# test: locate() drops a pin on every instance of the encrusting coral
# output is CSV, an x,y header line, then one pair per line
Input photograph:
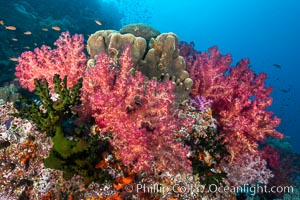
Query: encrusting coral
x,y
207,148
22,150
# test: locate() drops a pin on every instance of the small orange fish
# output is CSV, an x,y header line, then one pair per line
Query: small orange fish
x,y
44,29
14,39
27,33
11,28
1,22
98,22
13,59
56,28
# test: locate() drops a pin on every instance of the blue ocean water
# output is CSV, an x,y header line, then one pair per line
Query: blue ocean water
x,y
266,31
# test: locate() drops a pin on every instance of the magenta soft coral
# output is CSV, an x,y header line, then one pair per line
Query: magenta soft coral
x,y
139,113
67,59
239,99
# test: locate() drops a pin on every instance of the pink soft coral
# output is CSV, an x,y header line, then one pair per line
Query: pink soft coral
x,y
138,112
240,99
67,59
251,169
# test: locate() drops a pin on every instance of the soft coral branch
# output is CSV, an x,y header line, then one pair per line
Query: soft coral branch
x,y
138,112
68,59
240,99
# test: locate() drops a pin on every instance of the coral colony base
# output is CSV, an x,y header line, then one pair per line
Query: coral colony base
x,y
146,117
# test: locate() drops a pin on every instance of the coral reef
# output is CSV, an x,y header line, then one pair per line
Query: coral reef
x,y
23,175
240,99
200,103
207,148
135,112
157,58
284,163
22,150
9,93
51,113
113,43
163,61
67,59
140,30
72,152
39,20
116,126
252,169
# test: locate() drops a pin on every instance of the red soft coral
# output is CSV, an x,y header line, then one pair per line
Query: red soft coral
x,y
239,99
139,113
67,59
271,155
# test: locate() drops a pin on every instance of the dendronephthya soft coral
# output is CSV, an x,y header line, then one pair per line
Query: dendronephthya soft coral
x,y
68,59
139,114
240,99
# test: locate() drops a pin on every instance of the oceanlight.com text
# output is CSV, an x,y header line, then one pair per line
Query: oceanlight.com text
x,y
212,188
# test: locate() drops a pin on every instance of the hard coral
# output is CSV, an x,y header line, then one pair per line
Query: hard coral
x,y
157,57
163,62
140,30
138,113
112,43
67,59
